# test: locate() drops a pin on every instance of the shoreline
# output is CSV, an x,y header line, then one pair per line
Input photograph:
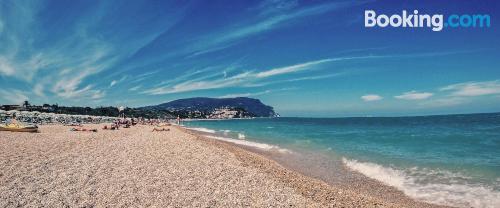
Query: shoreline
x,y
313,181
137,167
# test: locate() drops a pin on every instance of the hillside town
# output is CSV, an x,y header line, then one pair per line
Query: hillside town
x,y
48,113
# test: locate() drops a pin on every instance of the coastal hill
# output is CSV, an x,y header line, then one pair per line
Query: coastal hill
x,y
203,107
198,108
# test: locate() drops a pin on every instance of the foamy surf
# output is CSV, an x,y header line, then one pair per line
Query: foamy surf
x,y
241,136
445,193
257,145
241,140
211,131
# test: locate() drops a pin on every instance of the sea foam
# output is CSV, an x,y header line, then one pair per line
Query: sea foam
x,y
241,140
409,181
241,136
211,131
257,145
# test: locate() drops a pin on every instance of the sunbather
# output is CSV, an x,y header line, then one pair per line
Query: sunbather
x,y
83,129
161,129
112,127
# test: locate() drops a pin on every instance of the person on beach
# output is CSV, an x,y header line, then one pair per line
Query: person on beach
x,y
160,129
13,120
112,127
83,129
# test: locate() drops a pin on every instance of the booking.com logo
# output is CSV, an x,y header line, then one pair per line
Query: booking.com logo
x,y
435,21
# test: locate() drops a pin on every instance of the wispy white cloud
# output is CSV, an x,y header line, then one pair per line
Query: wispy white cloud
x,y
231,35
144,76
18,58
469,89
114,82
202,51
459,94
304,78
63,61
290,69
13,96
444,102
244,79
38,90
309,65
98,94
221,39
249,94
197,75
371,97
198,85
71,86
65,64
248,78
326,76
414,95
252,94
273,7
1,26
135,88
5,67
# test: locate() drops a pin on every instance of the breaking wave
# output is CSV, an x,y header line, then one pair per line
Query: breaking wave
x,y
433,186
241,136
261,146
211,131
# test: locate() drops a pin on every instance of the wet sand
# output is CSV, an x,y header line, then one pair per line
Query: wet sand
x,y
139,168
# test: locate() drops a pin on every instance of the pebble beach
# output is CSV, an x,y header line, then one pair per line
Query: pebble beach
x,y
135,167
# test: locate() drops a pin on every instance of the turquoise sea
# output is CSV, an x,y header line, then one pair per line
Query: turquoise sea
x,y
449,159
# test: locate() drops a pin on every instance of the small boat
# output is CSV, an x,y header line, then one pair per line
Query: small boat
x,y
17,127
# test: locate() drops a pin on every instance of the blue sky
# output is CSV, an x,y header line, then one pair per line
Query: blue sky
x,y
305,58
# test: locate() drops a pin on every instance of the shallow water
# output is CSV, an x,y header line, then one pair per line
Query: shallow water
x,y
452,160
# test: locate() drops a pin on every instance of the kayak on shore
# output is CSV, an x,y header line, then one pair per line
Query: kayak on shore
x,y
18,127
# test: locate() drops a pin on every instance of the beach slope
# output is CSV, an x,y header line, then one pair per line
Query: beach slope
x,y
137,167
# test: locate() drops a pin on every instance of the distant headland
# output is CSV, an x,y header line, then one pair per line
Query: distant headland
x,y
192,108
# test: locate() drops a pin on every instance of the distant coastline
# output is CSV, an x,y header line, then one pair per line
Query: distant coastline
x,y
112,111
190,108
